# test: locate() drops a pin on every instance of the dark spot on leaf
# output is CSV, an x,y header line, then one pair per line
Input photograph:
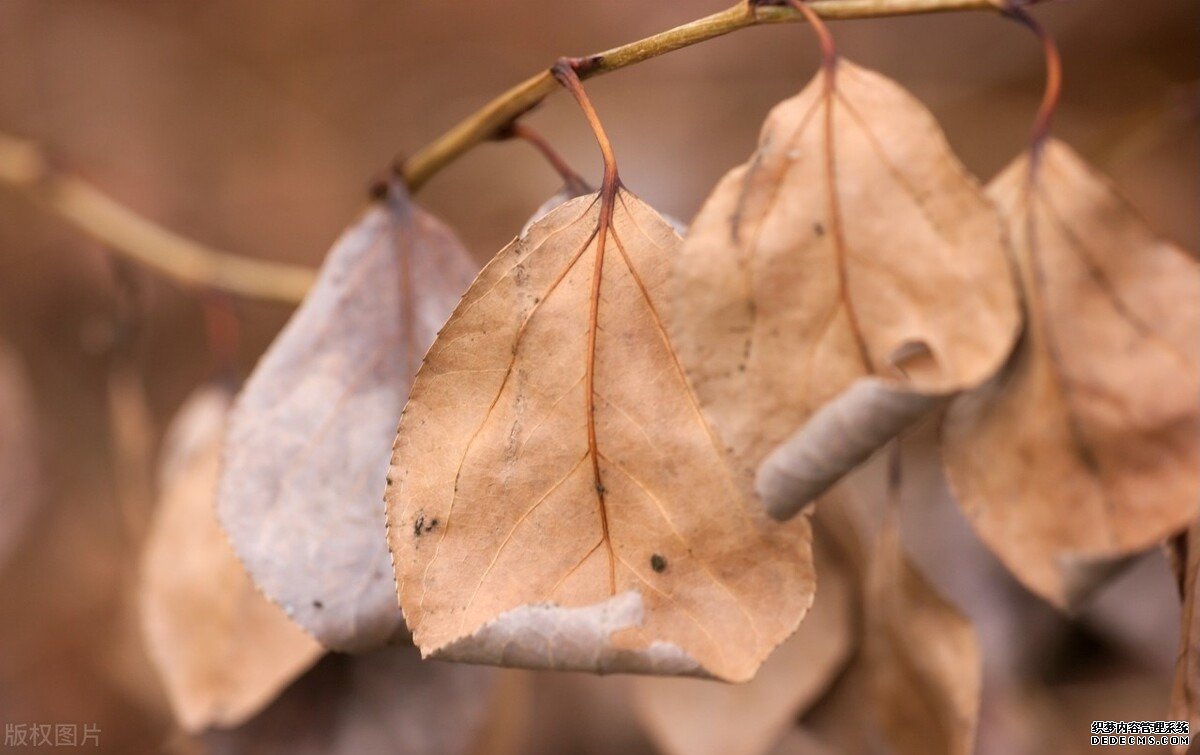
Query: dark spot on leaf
x,y
420,526
658,563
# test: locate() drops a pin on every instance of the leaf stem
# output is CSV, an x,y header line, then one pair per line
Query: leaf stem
x,y
564,71
222,333
828,48
1053,92
837,227
573,182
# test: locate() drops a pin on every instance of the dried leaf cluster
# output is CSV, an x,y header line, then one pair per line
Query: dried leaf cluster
x,y
624,446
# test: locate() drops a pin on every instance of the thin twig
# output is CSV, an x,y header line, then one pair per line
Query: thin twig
x,y
24,167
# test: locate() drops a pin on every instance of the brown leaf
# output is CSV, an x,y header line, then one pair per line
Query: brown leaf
x,y
923,655
384,701
852,244
566,194
1084,449
560,197
19,477
558,501
695,717
310,433
223,650
1185,692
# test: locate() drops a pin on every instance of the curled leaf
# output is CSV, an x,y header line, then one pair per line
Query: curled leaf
x,y
924,658
19,484
309,436
852,244
697,717
222,649
838,436
1084,449
557,499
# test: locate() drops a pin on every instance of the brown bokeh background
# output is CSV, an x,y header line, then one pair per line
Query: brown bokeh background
x,y
256,128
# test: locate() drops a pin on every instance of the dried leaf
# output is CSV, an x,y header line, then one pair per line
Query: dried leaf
x,y
1084,449
558,501
853,244
560,197
310,434
566,194
1185,693
379,702
19,478
223,650
693,717
924,658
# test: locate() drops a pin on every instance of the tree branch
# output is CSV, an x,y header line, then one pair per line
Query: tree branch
x,y
497,115
24,167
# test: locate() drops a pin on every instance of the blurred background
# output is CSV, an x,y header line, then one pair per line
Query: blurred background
x,y
257,127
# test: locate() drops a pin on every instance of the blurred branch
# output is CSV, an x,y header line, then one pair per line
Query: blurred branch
x,y
24,167
499,114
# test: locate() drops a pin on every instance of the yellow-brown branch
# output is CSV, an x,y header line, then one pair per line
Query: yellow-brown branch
x,y
24,167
